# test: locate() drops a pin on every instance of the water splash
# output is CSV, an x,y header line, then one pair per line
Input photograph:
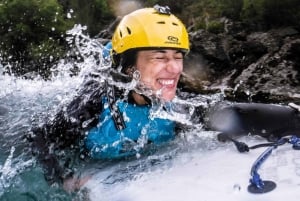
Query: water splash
x,y
6,172
183,110
11,168
31,100
90,50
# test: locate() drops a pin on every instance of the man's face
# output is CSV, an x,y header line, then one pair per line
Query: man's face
x,y
160,70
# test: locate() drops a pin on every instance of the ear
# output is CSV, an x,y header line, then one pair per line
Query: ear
x,y
130,70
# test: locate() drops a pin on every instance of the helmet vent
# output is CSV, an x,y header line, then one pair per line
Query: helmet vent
x,y
174,23
128,30
121,34
161,22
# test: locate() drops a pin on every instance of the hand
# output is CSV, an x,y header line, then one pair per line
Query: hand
x,y
74,183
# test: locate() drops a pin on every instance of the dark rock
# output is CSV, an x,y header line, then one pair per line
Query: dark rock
x,y
258,66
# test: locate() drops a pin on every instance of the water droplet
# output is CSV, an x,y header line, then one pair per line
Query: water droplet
x,y
236,188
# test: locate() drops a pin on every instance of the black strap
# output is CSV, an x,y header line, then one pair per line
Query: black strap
x,y
115,112
243,147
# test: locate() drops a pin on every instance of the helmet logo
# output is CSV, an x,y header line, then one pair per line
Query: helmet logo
x,y
172,40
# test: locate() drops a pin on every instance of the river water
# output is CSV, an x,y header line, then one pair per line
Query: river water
x,y
24,101
20,101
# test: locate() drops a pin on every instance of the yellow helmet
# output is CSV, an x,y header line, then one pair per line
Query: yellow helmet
x,y
150,28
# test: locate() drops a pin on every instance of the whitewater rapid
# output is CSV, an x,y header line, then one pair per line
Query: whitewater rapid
x,y
194,167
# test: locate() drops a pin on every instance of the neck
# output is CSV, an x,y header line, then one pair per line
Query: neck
x,y
139,99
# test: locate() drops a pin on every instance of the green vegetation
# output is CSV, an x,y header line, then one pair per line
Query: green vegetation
x,y
31,30
95,14
282,13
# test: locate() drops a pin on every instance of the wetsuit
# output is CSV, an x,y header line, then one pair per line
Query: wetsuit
x,y
87,126
105,141
57,141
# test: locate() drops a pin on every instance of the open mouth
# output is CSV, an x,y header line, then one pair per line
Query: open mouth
x,y
168,83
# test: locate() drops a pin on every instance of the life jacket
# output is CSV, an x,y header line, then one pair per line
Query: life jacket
x,y
106,141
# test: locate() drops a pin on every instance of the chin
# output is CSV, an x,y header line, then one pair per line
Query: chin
x,y
168,97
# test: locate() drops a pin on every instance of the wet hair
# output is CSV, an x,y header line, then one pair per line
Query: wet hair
x,y
126,60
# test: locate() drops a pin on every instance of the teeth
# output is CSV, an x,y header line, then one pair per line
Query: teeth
x,y
166,82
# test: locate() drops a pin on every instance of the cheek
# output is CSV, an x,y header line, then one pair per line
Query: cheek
x,y
148,75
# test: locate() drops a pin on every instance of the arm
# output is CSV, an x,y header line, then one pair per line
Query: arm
x,y
65,131
267,120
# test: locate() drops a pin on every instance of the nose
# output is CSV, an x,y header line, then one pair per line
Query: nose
x,y
174,65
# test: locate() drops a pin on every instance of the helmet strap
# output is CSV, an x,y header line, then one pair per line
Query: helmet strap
x,y
125,60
